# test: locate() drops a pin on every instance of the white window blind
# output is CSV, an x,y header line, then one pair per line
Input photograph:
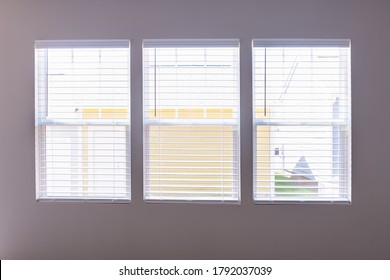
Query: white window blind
x,y
302,115
191,120
82,120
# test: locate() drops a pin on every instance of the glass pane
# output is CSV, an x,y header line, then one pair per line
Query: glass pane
x,y
301,162
85,162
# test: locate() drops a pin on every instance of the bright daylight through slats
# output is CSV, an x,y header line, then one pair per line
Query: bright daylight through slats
x,y
191,120
302,117
82,120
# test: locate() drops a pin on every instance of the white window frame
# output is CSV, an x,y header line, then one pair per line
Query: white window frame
x,y
345,188
192,43
112,118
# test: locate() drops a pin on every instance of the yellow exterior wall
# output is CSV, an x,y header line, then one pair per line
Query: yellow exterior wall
x,y
105,113
185,159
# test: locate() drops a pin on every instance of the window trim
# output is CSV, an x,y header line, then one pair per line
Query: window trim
x,y
42,121
256,122
193,43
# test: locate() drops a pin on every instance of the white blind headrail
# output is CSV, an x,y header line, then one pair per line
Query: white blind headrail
x,y
297,43
191,43
82,120
66,44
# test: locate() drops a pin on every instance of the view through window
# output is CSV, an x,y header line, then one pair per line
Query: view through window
x,y
191,120
83,120
301,120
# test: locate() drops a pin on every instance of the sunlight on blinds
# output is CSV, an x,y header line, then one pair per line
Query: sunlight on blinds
x,y
302,117
83,120
191,120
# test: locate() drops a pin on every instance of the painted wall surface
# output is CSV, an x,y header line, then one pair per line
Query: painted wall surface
x,y
37,230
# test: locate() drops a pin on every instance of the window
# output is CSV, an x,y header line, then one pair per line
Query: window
x,y
82,120
191,120
301,119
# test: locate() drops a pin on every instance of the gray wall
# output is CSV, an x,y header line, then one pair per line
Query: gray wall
x,y
33,230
